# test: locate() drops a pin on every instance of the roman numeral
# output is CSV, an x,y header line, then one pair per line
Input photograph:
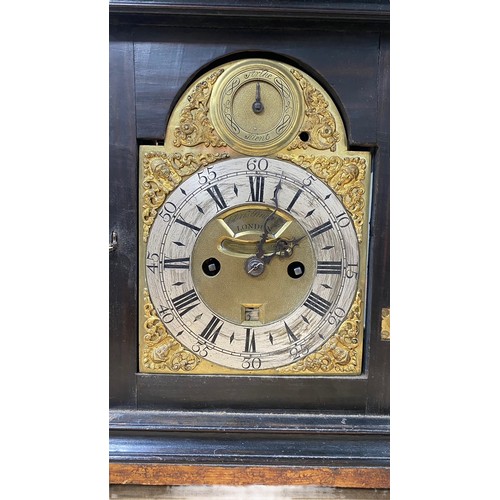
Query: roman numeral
x,y
210,332
187,224
329,267
182,263
317,304
215,193
320,229
185,302
294,199
291,336
256,188
250,340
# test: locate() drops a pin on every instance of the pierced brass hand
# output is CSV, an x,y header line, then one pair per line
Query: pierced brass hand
x,y
283,248
265,234
263,238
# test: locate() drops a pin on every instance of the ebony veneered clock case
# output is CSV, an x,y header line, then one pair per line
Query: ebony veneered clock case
x,y
253,230
249,251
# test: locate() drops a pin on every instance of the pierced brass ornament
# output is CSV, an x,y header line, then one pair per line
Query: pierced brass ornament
x,y
318,120
161,173
338,355
161,351
346,176
195,126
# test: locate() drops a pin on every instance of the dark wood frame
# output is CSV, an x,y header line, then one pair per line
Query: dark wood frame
x,y
253,428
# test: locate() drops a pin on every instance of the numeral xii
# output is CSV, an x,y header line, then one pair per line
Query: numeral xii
x,y
256,188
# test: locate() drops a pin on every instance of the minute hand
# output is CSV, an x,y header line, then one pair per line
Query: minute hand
x,y
265,234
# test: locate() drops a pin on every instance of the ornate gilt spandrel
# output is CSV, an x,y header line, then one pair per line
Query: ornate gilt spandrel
x,y
194,125
162,172
340,354
161,352
346,176
319,122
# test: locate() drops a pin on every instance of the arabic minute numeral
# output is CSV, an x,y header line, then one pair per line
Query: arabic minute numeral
x,y
298,352
251,363
200,348
166,314
343,219
257,163
350,273
206,176
308,181
336,316
167,211
154,259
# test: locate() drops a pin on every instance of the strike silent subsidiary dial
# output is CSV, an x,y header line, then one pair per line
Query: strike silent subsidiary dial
x,y
256,106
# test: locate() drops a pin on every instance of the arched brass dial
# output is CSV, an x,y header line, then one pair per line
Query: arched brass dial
x,y
256,106
252,263
253,252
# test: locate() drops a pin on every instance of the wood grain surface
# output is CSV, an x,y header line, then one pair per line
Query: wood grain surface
x,y
166,474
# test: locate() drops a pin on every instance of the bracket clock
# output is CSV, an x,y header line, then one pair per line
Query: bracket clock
x,y
249,341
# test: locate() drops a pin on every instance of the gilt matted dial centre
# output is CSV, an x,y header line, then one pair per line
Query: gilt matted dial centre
x,y
252,263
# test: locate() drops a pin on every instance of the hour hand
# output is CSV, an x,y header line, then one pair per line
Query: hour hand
x,y
284,247
267,231
263,239
275,195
